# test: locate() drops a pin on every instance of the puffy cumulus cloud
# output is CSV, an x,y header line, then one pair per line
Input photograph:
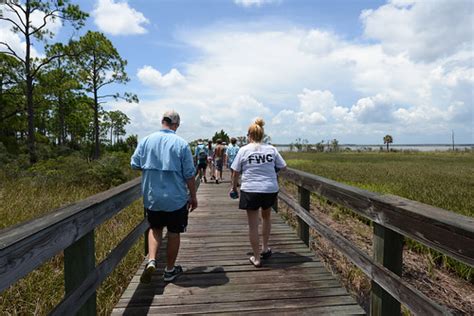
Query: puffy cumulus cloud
x,y
151,77
17,43
320,42
314,106
424,30
253,3
376,109
355,92
118,18
310,118
316,101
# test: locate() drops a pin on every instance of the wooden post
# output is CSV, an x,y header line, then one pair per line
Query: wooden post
x,y
79,261
275,205
388,251
304,201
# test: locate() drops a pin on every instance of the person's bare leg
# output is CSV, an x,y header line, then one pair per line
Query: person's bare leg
x,y
154,242
266,227
252,216
172,250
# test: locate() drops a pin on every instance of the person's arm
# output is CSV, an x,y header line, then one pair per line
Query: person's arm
x,y
280,163
193,203
189,173
135,162
235,180
237,168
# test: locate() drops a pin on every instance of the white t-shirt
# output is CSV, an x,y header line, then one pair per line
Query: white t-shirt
x,y
257,164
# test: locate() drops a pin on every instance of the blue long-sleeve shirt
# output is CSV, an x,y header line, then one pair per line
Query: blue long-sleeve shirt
x,y
166,163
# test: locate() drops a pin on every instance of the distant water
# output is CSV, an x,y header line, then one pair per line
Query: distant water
x,y
413,147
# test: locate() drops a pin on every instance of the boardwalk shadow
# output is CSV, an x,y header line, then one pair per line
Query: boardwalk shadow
x,y
202,277
142,297
283,259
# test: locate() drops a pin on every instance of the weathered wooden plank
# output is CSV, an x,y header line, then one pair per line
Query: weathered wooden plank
x,y
209,298
150,290
310,311
26,246
416,301
245,276
238,306
448,232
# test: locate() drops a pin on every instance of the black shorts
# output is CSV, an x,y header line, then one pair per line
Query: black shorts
x,y
254,200
175,222
202,165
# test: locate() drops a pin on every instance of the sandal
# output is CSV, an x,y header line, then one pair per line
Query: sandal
x,y
266,254
253,262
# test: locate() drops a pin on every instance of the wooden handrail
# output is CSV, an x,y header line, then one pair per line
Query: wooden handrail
x,y
25,246
392,283
393,217
449,233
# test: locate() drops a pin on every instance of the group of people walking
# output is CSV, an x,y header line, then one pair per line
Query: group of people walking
x,y
169,192
214,156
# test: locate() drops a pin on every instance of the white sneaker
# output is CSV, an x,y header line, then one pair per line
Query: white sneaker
x,y
147,273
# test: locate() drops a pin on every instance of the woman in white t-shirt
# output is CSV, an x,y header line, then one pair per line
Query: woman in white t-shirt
x,y
258,163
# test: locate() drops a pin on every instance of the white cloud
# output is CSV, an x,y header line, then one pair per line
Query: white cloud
x,y
316,101
118,18
424,30
373,109
256,3
14,40
314,84
151,77
319,42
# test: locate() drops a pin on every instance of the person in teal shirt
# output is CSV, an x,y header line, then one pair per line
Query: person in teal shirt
x,y
231,151
168,189
201,154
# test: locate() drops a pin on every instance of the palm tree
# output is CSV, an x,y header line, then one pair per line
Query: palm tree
x,y
388,139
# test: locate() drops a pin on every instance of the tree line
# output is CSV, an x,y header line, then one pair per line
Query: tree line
x,y
56,99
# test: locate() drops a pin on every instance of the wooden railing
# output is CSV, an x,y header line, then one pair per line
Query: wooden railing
x,y
26,246
393,218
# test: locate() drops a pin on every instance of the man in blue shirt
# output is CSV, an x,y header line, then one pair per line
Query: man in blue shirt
x,y
167,175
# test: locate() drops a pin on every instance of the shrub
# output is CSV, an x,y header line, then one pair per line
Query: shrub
x,y
111,170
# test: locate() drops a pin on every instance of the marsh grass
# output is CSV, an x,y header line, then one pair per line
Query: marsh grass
x,y
27,194
441,179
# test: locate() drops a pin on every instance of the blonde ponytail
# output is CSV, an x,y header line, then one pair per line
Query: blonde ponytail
x,y
256,131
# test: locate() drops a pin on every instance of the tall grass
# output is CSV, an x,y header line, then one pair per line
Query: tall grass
x,y
27,194
442,179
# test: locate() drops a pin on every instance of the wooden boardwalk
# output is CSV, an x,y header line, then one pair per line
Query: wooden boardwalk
x,y
219,279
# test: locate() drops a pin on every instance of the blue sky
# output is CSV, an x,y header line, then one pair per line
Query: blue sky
x,y
318,70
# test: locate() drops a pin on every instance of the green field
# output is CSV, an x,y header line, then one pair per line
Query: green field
x,y
442,179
